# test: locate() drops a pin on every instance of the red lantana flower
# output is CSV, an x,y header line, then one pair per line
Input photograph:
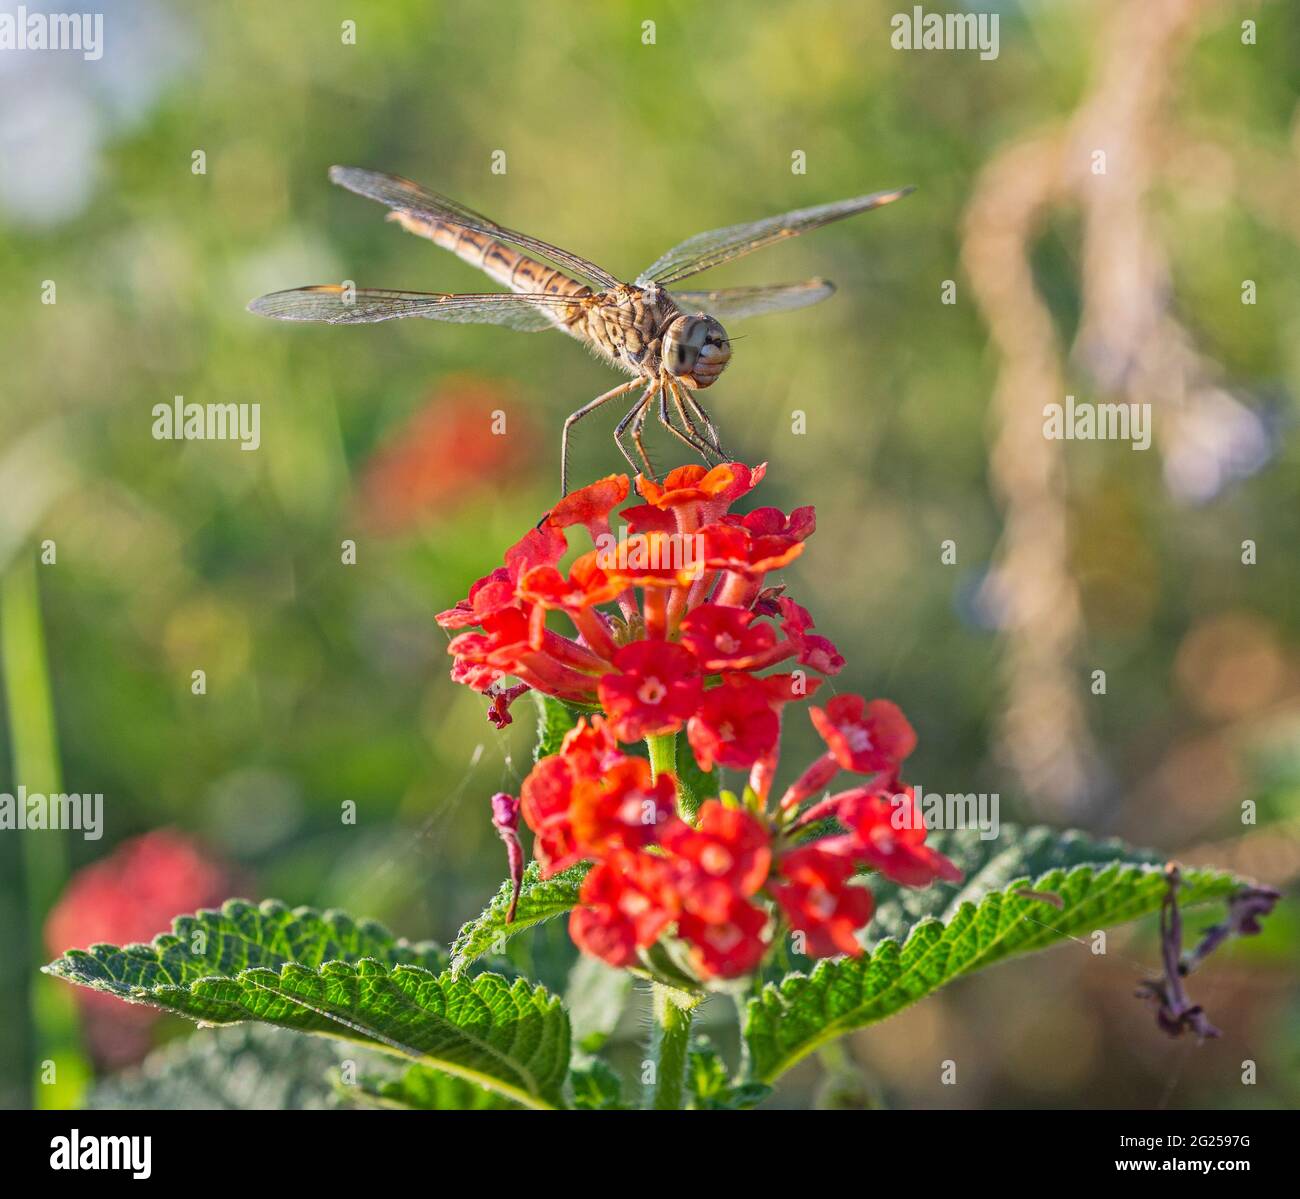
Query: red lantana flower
x,y
865,737
586,585
656,690
814,650
738,722
819,901
888,833
591,743
590,505
544,803
699,572
488,595
772,522
871,738
735,725
733,547
728,853
590,800
697,496
728,639
620,807
626,902
708,880
728,947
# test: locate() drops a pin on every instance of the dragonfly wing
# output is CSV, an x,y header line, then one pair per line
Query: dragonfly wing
x,y
402,195
733,303
332,304
706,250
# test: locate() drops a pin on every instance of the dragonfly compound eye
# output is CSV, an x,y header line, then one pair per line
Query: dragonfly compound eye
x,y
696,350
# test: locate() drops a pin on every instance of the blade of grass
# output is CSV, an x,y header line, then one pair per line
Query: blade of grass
x,y
34,753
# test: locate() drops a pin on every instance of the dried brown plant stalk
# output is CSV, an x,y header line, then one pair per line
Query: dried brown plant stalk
x,y
1129,341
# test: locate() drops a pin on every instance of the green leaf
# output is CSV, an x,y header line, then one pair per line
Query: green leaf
x,y
595,997
539,900
694,785
990,865
709,1082
330,975
596,1087
922,940
554,719
239,936
249,1067
422,1089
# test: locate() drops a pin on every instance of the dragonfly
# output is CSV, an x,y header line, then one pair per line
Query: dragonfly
x,y
671,341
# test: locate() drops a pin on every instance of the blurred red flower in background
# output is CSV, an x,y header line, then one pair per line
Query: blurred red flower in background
x,y
445,452
131,895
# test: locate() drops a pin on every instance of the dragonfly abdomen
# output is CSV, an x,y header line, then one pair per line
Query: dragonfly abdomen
x,y
498,261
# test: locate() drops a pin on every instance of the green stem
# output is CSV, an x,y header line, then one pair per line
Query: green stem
x,y
673,1011
673,1008
663,756
663,753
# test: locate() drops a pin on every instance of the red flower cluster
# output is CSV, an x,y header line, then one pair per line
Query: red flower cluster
x,y
672,623
720,882
683,655
125,897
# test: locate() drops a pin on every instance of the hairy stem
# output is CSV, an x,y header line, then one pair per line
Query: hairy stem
x,y
673,1011
663,756
663,753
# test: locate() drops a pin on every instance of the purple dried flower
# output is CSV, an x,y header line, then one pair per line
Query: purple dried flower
x,y
505,819
1177,1012
1245,910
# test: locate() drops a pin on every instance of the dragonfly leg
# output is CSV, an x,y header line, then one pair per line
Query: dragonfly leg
x,y
700,412
574,417
637,426
690,436
680,398
692,408
636,417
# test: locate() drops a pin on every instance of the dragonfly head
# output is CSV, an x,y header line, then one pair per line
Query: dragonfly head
x,y
696,350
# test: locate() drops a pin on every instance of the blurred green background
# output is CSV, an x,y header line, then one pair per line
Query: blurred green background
x,y
327,684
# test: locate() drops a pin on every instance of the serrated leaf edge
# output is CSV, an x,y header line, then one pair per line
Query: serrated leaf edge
x,y
533,1097
967,910
64,967
490,918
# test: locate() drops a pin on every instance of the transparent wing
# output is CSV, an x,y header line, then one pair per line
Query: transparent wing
x,y
404,196
732,303
332,304
711,249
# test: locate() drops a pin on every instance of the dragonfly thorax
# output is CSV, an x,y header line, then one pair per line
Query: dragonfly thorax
x,y
696,350
625,324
